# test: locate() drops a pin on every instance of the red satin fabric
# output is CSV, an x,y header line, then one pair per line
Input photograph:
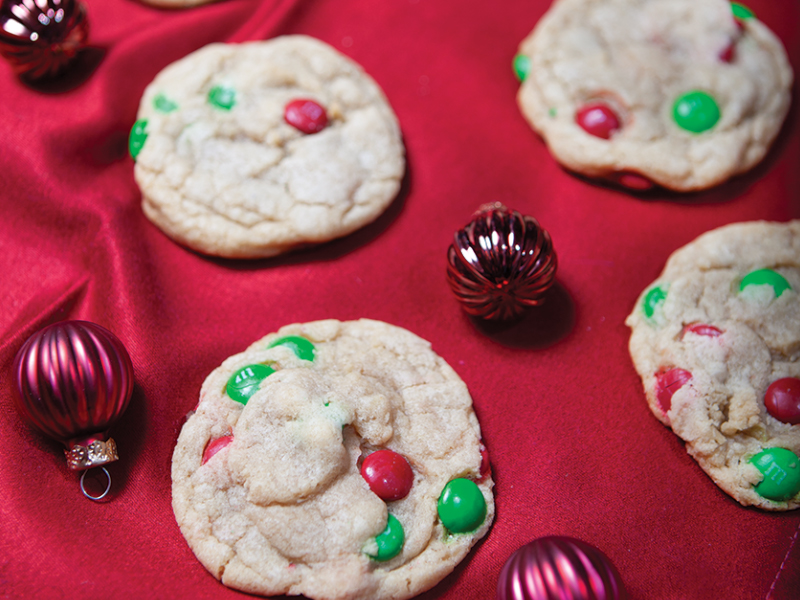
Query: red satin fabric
x,y
574,449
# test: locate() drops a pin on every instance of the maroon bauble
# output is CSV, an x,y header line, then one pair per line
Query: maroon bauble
x,y
41,37
74,380
501,263
559,568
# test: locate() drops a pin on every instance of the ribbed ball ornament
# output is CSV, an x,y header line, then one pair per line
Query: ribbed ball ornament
x,y
501,263
559,568
74,379
39,38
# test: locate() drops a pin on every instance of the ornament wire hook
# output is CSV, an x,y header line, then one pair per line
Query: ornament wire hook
x,y
105,492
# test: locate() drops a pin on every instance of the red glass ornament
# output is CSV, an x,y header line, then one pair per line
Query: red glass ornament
x,y
74,380
669,382
39,38
597,119
783,400
388,474
306,115
501,263
559,568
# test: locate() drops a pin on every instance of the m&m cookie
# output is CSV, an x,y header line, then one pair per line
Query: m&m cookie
x,y
682,94
250,150
716,341
333,460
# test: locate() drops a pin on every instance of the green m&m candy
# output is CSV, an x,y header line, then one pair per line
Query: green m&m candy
x,y
653,300
245,381
462,507
781,470
522,66
740,11
137,138
163,104
695,111
222,97
302,348
766,277
390,541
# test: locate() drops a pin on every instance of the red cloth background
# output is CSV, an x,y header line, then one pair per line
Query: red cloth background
x,y
574,448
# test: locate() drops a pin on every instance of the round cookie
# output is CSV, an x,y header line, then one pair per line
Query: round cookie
x,y
267,483
222,171
710,338
680,93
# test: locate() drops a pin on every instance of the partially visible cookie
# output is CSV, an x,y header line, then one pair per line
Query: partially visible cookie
x,y
337,460
716,341
681,93
249,150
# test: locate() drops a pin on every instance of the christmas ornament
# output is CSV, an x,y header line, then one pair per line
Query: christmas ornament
x,y
559,568
74,380
39,38
501,263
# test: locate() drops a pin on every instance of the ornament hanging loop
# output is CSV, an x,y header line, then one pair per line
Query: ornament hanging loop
x,y
105,491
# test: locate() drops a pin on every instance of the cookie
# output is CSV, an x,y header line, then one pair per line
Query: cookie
x,y
249,150
333,460
680,93
716,341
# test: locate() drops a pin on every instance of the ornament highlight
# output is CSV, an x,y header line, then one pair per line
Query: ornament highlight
x,y
39,38
501,263
74,380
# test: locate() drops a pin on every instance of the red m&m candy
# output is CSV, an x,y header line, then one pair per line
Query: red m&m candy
x,y
783,400
388,474
305,115
669,382
633,181
597,119
702,329
215,446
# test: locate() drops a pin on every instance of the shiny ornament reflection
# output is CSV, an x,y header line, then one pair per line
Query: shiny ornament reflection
x,y
39,38
501,263
559,568
74,380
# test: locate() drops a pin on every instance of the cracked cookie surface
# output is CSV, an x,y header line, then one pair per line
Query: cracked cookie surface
x,y
709,339
223,172
267,471
637,60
